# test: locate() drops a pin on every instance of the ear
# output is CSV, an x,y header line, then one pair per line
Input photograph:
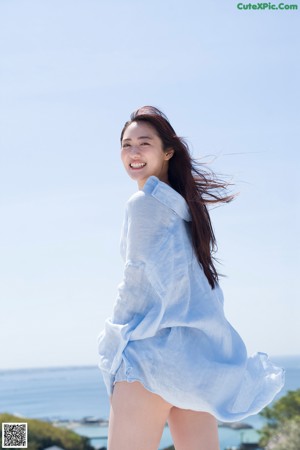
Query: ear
x,y
169,153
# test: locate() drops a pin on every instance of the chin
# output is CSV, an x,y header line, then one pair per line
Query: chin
x,y
134,176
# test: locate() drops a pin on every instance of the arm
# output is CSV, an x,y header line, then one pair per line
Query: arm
x,y
139,306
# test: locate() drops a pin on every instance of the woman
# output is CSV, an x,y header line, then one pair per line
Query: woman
x,y
168,353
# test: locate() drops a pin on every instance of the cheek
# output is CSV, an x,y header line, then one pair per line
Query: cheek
x,y
123,156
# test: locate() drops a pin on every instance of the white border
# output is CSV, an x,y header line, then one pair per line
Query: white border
x,y
26,435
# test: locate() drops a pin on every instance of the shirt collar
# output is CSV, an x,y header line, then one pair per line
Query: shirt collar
x,y
168,196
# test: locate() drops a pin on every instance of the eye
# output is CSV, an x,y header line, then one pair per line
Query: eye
x,y
145,143
125,145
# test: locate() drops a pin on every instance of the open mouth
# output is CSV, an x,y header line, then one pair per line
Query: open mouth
x,y
137,165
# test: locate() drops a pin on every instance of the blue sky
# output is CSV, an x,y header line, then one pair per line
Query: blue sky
x,y
71,72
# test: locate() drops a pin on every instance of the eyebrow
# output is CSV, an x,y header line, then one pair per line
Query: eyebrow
x,y
140,137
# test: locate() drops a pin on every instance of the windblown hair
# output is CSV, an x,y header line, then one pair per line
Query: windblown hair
x,y
198,185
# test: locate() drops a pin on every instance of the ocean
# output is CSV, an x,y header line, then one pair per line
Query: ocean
x,y
74,393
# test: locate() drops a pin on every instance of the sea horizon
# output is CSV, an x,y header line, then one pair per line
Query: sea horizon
x,y
277,359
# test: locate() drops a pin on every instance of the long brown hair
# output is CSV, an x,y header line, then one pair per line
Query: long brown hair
x,y
197,184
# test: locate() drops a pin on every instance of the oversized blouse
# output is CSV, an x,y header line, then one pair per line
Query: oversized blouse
x,y
168,329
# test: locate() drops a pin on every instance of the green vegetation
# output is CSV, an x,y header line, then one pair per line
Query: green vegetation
x,y
43,434
282,431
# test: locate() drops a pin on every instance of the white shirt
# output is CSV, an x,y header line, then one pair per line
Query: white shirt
x,y
168,328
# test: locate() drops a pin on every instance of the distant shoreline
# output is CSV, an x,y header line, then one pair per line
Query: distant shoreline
x,y
277,358
93,421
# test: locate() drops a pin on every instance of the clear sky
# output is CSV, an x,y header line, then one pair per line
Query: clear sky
x,y
71,72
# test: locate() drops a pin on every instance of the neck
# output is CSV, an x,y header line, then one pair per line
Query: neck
x,y
141,183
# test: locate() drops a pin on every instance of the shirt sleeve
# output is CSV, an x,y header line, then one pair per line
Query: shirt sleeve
x,y
139,306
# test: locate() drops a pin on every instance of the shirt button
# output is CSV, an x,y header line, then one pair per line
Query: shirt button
x,y
128,371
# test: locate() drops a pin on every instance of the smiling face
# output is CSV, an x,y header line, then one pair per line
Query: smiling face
x,y
142,153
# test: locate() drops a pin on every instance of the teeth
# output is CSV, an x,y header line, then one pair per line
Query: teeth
x,y
136,165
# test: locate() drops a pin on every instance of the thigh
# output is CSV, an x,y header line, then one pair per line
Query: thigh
x,y
193,430
137,417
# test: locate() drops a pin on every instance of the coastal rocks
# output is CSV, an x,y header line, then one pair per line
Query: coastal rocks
x,y
235,425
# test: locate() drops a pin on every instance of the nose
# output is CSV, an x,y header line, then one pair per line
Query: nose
x,y
134,150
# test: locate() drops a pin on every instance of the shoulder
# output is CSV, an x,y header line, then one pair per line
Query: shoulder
x,y
143,206
154,215
158,198
147,213
139,200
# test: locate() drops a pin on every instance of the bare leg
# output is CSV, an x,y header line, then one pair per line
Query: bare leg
x,y
137,417
193,430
